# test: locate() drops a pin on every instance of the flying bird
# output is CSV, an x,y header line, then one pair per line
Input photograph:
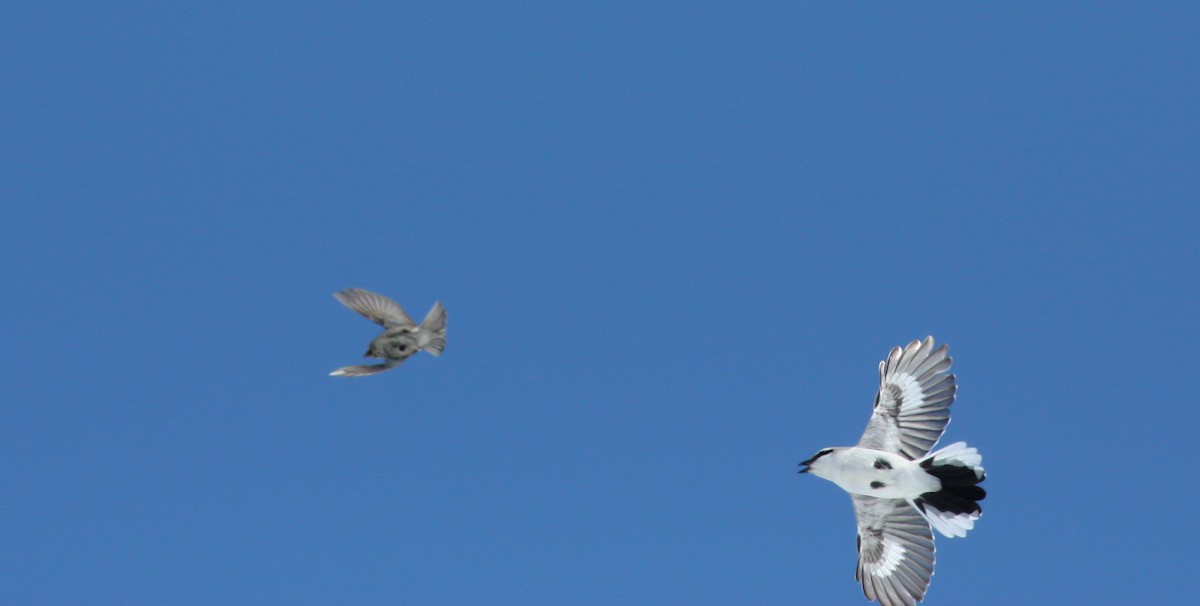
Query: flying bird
x,y
898,487
401,336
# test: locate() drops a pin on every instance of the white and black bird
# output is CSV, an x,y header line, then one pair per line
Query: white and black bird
x,y
899,488
401,336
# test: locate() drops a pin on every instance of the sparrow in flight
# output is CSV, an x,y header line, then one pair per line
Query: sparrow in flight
x,y
898,487
401,336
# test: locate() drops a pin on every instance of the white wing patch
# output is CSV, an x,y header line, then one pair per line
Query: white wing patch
x,y
908,387
912,407
892,556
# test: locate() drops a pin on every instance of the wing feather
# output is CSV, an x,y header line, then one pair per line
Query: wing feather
x,y
912,407
896,553
375,307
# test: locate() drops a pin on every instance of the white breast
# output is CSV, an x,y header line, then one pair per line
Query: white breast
x,y
878,474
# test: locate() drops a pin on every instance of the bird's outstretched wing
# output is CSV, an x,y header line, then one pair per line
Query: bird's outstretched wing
x,y
895,551
912,407
362,371
375,307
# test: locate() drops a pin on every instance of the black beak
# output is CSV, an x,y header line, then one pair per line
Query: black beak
x,y
807,465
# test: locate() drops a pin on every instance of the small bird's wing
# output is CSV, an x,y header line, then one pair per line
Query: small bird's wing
x,y
362,371
895,551
375,307
432,336
912,407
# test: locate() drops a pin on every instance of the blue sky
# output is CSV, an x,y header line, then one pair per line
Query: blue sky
x,y
674,241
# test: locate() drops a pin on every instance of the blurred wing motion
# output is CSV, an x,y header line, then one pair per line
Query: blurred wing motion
x,y
375,307
912,407
432,335
895,551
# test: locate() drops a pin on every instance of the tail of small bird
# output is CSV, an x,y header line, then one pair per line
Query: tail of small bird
x,y
953,509
433,330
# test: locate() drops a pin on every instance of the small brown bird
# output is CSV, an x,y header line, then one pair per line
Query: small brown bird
x,y
401,336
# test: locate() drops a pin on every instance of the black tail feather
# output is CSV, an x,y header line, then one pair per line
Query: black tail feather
x,y
960,492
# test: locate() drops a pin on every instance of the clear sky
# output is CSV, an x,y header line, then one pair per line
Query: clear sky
x,y
674,241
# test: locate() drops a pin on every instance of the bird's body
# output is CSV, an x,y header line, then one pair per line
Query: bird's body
x,y
394,343
875,473
900,490
401,338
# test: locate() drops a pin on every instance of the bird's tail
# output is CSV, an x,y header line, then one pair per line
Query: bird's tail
x,y
433,330
953,509
362,371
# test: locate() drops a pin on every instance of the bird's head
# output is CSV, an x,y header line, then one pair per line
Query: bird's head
x,y
818,463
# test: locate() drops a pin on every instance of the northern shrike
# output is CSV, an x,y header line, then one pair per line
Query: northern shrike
x,y
899,488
